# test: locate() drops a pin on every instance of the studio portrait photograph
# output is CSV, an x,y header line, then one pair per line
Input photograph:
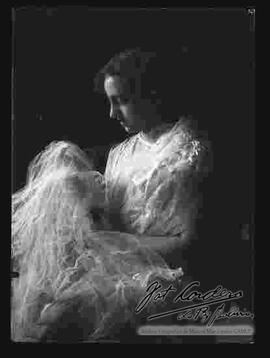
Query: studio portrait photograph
x,y
133,165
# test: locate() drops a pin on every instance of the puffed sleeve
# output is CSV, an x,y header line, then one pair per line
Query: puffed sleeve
x,y
184,185
172,194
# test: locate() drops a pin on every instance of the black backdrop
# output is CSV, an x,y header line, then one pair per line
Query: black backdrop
x,y
57,52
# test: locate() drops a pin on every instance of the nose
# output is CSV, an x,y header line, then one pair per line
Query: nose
x,y
113,112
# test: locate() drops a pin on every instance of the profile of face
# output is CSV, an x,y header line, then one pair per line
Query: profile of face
x,y
132,112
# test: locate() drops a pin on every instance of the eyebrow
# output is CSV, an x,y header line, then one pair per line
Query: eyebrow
x,y
111,98
119,96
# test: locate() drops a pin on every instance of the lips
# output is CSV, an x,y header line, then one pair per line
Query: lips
x,y
122,122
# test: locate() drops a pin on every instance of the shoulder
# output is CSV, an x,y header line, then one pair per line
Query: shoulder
x,y
119,148
183,132
190,147
118,151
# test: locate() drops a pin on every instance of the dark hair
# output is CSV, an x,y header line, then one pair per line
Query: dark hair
x,y
151,74
129,65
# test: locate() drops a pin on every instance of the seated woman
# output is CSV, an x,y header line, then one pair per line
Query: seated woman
x,y
152,177
78,275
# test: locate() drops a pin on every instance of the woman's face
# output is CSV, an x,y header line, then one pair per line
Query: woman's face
x,y
129,110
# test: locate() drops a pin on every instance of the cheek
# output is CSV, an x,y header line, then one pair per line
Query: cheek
x,y
132,111
125,111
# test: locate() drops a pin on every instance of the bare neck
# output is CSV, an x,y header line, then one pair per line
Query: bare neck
x,y
153,129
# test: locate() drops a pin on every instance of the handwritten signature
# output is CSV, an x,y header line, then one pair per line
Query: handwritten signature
x,y
195,311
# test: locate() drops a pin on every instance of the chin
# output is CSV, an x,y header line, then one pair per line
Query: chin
x,y
130,130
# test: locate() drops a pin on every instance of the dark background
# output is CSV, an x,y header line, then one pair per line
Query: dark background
x,y
57,52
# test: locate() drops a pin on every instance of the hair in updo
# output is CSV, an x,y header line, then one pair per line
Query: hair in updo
x,y
158,76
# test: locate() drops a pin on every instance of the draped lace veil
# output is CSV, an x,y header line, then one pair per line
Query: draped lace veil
x,y
64,258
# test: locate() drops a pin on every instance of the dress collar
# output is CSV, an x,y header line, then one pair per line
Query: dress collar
x,y
158,131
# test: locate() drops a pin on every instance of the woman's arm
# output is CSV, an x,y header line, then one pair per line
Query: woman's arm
x,y
161,244
126,241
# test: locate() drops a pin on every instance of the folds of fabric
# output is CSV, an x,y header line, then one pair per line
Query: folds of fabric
x,y
153,186
74,277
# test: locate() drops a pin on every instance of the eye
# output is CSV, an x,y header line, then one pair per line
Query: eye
x,y
123,100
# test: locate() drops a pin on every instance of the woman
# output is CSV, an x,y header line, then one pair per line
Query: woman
x,y
162,158
89,263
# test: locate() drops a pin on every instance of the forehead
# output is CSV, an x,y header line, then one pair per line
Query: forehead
x,y
115,86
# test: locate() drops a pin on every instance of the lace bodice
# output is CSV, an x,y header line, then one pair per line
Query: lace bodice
x,y
152,185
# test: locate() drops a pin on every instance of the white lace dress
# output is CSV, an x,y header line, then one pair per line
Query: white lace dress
x,y
153,186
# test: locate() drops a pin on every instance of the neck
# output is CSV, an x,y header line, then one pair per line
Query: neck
x,y
151,132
